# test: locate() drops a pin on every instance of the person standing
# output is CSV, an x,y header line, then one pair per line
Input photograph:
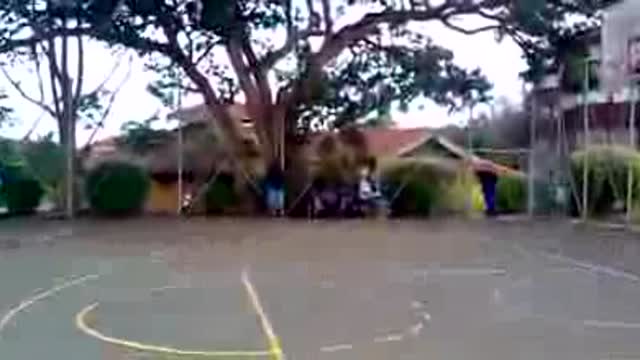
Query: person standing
x,y
488,181
274,189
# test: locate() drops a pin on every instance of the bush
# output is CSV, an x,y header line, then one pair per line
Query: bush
x,y
419,187
607,176
22,195
511,194
117,188
458,193
221,195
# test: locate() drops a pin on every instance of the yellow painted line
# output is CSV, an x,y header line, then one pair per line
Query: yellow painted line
x,y
81,324
12,313
275,349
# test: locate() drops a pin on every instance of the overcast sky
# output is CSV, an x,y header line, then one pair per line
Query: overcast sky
x,y
501,62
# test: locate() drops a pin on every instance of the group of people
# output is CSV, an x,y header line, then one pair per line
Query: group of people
x,y
345,200
328,199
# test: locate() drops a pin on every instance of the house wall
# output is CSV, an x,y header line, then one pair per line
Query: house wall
x,y
163,198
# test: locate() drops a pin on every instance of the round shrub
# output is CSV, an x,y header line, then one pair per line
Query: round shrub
x,y
22,195
418,186
221,195
511,194
607,175
117,188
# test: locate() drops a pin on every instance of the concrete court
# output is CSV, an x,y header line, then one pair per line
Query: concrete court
x,y
331,290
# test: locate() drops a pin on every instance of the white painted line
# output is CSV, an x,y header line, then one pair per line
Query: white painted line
x,y
416,329
164,288
6,319
467,271
611,325
426,317
334,348
597,269
388,338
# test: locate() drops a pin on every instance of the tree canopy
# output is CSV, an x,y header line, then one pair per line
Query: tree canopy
x,y
300,62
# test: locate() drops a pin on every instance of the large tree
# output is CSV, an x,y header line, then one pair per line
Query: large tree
x,y
302,61
48,38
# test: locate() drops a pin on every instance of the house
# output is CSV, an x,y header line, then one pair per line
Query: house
x,y
564,103
382,142
159,155
203,156
422,143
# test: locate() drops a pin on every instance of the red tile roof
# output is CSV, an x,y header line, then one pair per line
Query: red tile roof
x,y
393,141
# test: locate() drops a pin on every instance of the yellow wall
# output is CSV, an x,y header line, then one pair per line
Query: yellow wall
x,y
163,198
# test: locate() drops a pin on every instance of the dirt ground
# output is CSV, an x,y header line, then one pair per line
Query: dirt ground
x,y
447,289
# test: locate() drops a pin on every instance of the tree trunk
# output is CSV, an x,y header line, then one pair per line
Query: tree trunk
x,y
68,123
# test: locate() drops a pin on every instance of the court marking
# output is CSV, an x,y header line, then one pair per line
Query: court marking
x,y
275,349
81,324
335,348
611,325
26,303
593,268
388,338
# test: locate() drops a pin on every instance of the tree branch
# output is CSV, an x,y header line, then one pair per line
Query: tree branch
x,y
259,73
110,103
271,58
328,19
465,31
367,24
38,70
33,126
234,51
16,85
39,37
80,73
206,52
53,78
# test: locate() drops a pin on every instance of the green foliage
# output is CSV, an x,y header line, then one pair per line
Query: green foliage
x,y
511,194
607,176
368,74
340,156
378,76
117,188
419,187
45,160
6,113
22,195
140,137
41,159
221,195
463,195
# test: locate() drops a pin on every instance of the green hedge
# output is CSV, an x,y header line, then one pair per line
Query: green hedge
x,y
607,176
117,188
221,195
22,195
431,186
511,194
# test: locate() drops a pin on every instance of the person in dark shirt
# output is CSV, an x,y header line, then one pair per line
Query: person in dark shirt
x,y
274,189
488,180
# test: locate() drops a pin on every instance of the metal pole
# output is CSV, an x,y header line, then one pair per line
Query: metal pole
x,y
632,144
469,204
587,140
180,149
532,139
